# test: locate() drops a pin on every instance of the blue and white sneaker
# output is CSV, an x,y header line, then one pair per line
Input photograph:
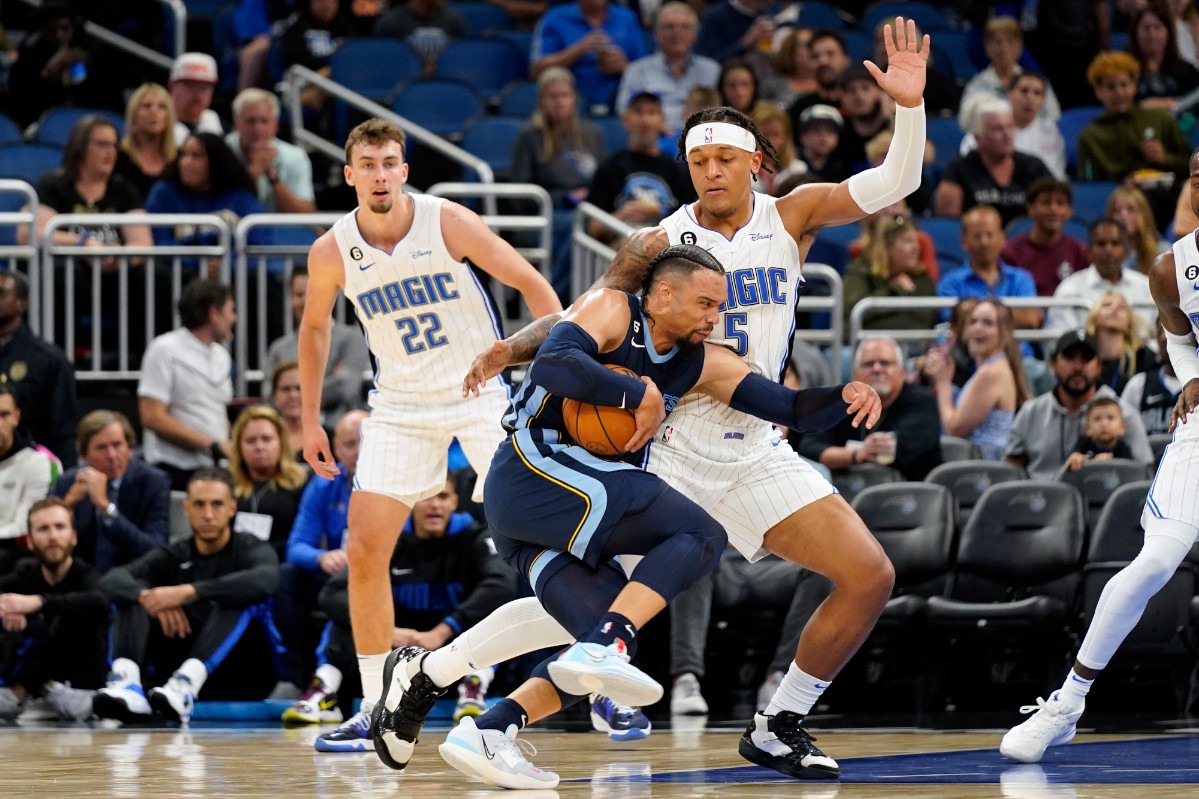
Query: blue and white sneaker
x,y
175,700
621,722
123,698
587,668
352,735
494,757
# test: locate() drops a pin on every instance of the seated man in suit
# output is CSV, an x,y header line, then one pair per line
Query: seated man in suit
x,y
120,502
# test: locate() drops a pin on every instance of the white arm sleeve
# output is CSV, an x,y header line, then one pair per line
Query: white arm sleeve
x,y
1183,355
899,173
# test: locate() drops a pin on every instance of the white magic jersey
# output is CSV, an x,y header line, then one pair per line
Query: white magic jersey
x,y
426,316
1186,272
762,267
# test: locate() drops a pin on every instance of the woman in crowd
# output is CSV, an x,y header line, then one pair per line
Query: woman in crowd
x,y
558,151
1153,43
1128,206
149,142
983,409
1003,42
1119,332
267,482
775,125
890,266
795,74
285,398
738,86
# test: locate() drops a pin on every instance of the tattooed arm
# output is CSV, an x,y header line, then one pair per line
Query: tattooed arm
x,y
625,273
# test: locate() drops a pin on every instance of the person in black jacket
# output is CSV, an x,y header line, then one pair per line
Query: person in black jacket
x,y
907,436
202,592
445,577
55,621
121,503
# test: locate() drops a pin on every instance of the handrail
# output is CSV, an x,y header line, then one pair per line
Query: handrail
x,y
179,12
586,250
541,254
833,303
298,76
134,48
26,252
122,252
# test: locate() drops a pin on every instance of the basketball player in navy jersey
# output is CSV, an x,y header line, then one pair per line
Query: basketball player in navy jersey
x,y
559,514
736,468
407,262
1170,518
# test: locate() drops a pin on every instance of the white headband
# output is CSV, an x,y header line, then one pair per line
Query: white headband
x,y
721,133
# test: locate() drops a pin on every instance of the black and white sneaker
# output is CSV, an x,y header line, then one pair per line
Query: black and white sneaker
x,y
408,696
780,742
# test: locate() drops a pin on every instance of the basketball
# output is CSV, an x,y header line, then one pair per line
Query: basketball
x,y
600,429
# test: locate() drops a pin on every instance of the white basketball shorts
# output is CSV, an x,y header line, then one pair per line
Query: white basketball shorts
x,y
403,449
1173,495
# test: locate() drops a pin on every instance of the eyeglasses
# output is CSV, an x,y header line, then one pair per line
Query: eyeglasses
x,y
880,363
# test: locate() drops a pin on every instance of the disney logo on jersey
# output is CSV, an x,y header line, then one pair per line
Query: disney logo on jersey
x,y
421,254
758,286
411,292
761,236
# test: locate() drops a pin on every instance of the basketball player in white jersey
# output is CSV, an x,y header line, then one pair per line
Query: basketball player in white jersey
x,y
1170,518
733,466
406,262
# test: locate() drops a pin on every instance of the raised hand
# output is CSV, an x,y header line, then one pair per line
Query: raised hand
x,y
906,63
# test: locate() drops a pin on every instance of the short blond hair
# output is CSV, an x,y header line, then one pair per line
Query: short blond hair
x,y
374,131
1111,63
1002,26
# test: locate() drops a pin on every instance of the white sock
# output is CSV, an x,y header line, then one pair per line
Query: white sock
x,y
195,671
797,692
511,630
127,671
1074,690
330,675
370,669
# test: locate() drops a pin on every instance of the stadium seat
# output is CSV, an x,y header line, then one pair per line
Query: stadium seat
x,y
356,65
54,127
947,239
443,107
615,136
852,481
522,39
968,480
1097,480
819,15
1072,123
1158,442
859,45
958,449
9,132
1090,199
951,54
486,64
946,136
518,99
491,138
28,162
482,18
927,16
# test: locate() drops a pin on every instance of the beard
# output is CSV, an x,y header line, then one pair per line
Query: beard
x,y
52,559
687,346
380,208
1074,391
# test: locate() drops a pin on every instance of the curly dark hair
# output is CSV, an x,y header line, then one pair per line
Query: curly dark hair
x,y
724,113
225,171
677,259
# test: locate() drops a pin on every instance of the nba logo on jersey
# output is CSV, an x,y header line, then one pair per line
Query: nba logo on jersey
x,y
708,136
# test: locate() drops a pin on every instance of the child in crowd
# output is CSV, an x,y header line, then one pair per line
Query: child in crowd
x,y
1103,438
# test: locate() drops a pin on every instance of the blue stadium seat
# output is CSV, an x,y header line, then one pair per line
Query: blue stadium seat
x,y
486,64
951,54
927,16
518,99
835,241
616,138
522,39
54,128
1090,199
374,66
947,239
946,136
859,45
482,17
203,8
819,15
491,139
443,107
9,132
28,162
1072,123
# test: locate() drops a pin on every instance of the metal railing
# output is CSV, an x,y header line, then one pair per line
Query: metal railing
x,y
100,33
59,276
14,254
178,11
590,257
833,303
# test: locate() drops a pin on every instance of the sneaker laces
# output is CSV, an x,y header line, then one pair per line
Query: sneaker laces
x,y
787,727
414,706
522,748
314,694
360,722
1043,722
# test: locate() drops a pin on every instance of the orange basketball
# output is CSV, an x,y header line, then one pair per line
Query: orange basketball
x,y
600,429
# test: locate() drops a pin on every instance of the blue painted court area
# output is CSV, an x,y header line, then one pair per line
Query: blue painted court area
x,y
1152,761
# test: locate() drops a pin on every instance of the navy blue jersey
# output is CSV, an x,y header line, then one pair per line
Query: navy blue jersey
x,y
675,372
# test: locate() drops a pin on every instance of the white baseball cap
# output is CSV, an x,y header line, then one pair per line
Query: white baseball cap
x,y
194,66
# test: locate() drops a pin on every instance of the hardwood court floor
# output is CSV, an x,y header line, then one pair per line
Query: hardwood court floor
x,y
206,762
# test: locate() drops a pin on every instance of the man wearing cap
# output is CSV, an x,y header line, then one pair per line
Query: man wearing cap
x,y
830,58
1107,247
819,139
193,81
672,71
1047,427
639,185
867,112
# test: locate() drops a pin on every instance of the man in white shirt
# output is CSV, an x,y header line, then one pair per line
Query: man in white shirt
x,y
192,84
186,385
1108,247
281,172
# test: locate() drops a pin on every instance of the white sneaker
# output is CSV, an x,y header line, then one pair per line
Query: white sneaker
x,y
71,704
1052,724
122,699
494,757
175,700
686,699
587,668
10,706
